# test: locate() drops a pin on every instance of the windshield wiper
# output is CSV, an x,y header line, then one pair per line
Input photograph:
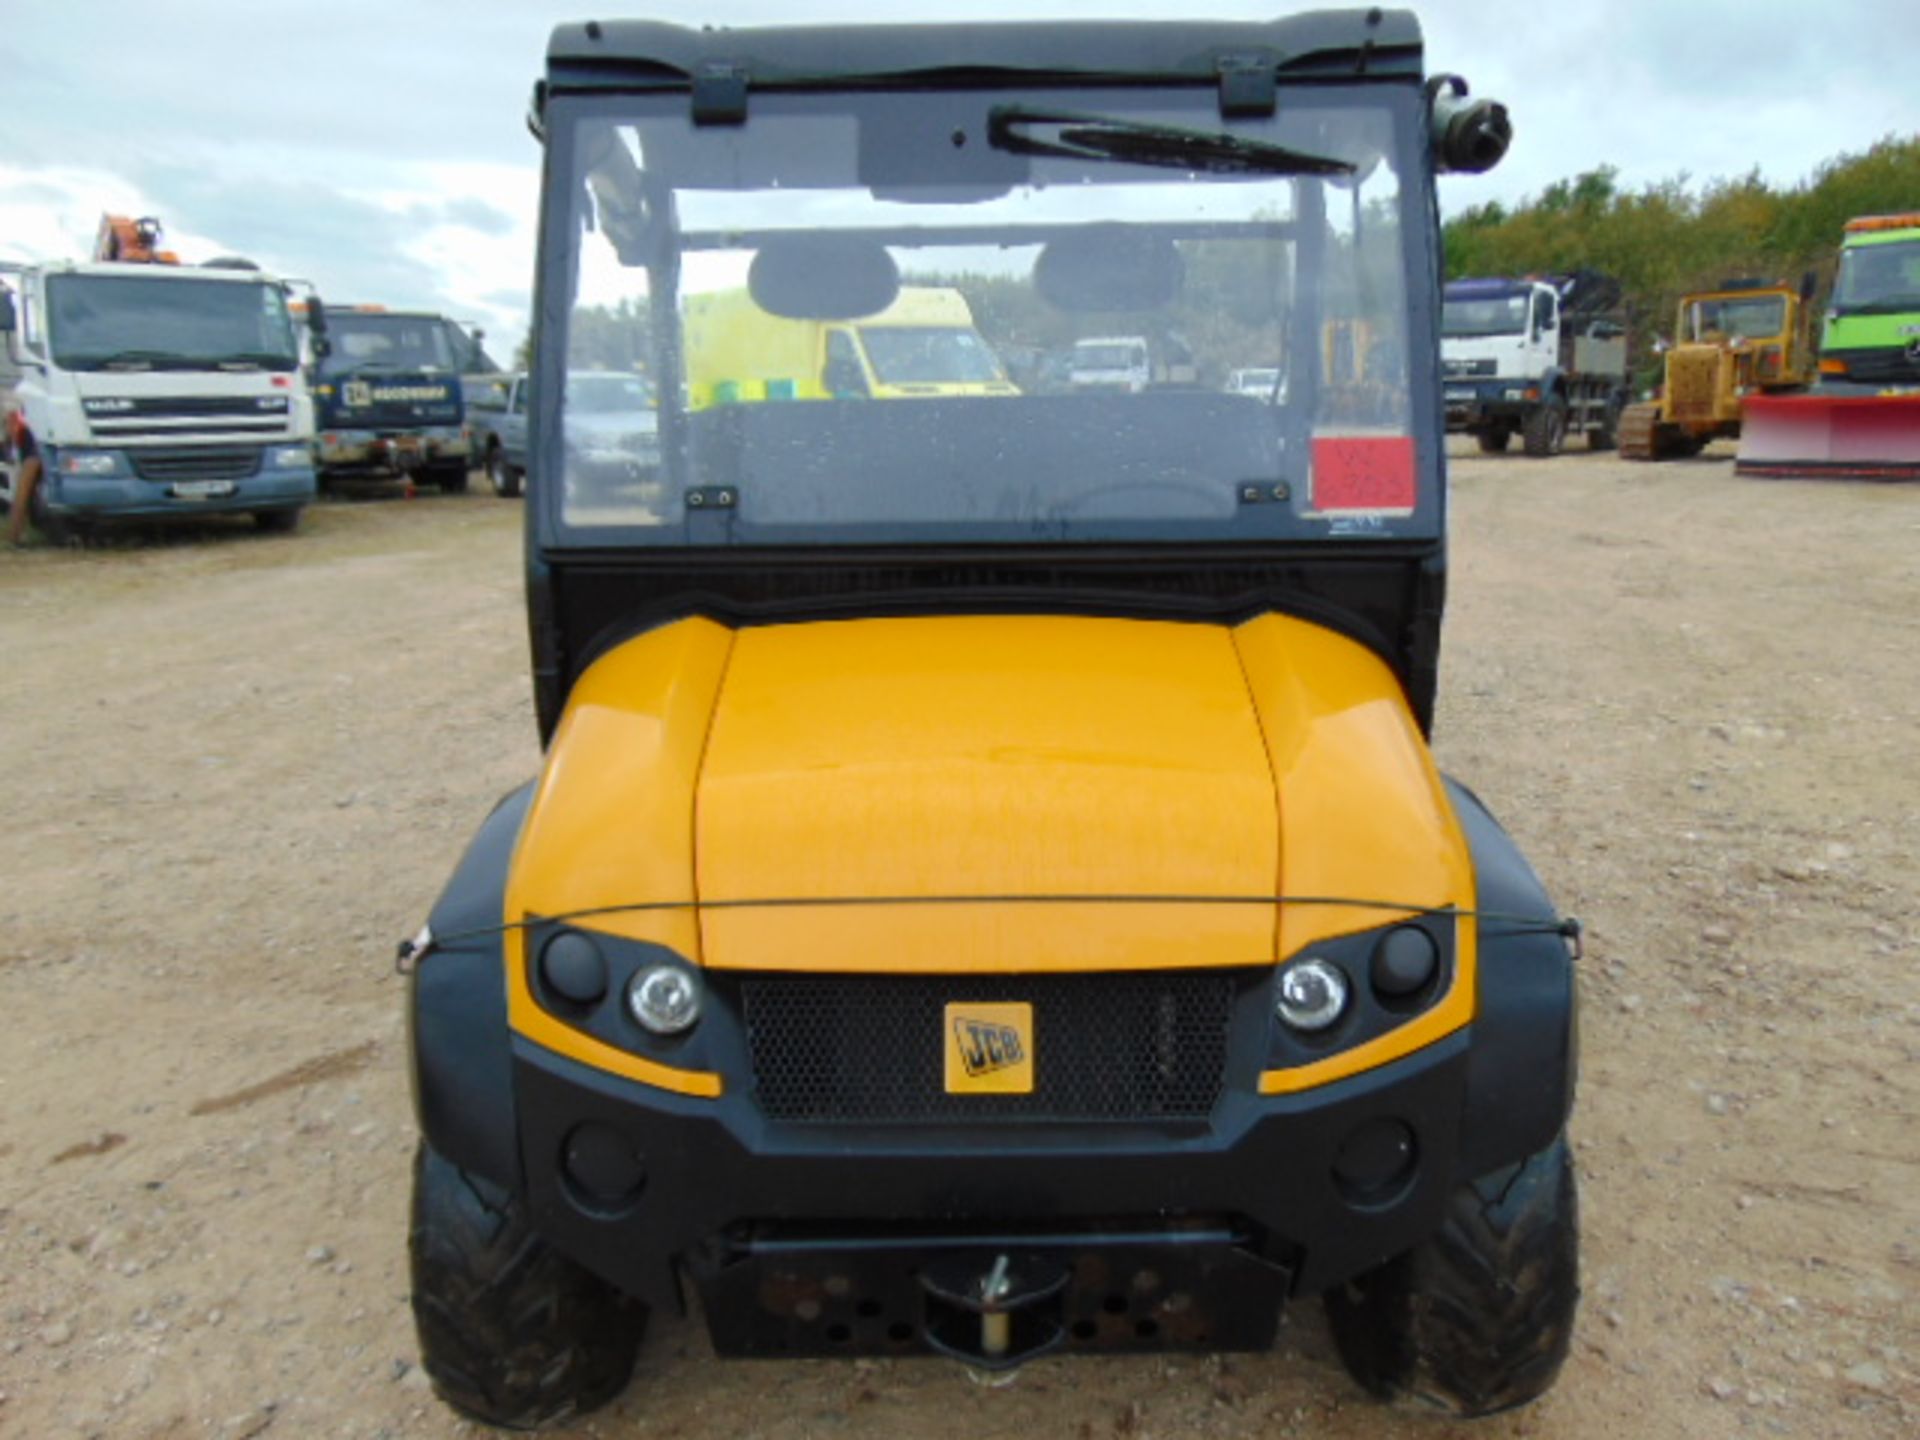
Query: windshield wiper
x,y
129,360
252,360
1076,136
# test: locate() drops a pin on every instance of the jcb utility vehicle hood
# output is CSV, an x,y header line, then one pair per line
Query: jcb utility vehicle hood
x,y
986,794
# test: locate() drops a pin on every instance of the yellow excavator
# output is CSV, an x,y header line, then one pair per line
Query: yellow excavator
x,y
1749,337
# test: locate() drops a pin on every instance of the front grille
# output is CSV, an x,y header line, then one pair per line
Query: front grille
x,y
197,462
1887,367
1114,1046
1690,383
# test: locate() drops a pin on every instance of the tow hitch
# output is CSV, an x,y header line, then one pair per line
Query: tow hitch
x,y
996,1318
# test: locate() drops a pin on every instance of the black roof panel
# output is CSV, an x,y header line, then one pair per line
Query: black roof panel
x,y
1327,43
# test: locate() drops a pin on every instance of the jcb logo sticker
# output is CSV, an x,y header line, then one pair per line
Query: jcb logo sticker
x,y
357,393
990,1049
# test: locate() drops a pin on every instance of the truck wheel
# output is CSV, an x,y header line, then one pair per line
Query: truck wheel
x,y
512,1332
504,478
453,479
1544,432
278,522
1494,441
1478,1318
54,529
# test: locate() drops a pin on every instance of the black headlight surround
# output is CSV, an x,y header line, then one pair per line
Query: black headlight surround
x,y
1369,1014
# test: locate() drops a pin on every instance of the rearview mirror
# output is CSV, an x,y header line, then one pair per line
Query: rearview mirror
x,y
9,317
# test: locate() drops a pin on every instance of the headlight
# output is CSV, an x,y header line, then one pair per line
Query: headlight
x,y
664,999
89,462
289,457
1313,994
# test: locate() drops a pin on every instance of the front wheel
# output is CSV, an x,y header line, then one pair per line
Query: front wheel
x,y
1478,1318
502,474
278,522
452,480
512,1332
1544,431
1493,441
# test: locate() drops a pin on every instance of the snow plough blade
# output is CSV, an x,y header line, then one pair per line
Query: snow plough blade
x,y
1830,437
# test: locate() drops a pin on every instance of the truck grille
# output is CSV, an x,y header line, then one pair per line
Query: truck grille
x,y
1888,367
196,462
1113,1046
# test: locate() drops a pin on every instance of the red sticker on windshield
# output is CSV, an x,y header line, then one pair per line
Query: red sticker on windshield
x,y
1363,472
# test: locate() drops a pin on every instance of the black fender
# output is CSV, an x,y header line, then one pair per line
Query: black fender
x,y
460,1048
1524,1056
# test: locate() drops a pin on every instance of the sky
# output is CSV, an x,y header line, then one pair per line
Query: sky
x,y
379,149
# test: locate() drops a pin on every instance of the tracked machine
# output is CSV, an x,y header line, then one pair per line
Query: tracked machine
x,y
989,893
1746,339
1861,420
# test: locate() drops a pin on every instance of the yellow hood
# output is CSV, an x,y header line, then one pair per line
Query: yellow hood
x,y
983,767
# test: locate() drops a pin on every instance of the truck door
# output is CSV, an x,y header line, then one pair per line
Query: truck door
x,y
1546,332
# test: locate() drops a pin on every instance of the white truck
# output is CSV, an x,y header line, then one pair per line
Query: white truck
x,y
1130,362
152,390
1540,357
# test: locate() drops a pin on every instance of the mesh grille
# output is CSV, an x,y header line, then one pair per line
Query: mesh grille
x,y
212,462
1130,1046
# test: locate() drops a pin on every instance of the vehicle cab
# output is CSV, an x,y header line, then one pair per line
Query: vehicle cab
x,y
152,391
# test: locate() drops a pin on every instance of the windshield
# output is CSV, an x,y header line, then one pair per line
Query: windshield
x,y
866,316
1109,357
1753,317
1489,315
1879,278
169,321
607,394
368,340
902,354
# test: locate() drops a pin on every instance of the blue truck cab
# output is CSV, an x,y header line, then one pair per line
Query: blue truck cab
x,y
387,397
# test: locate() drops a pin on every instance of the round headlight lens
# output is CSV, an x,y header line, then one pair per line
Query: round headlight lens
x,y
664,999
1313,994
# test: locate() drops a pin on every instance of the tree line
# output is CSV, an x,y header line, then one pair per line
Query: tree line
x,y
1666,239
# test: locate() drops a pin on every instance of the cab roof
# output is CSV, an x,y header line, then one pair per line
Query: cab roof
x,y
721,65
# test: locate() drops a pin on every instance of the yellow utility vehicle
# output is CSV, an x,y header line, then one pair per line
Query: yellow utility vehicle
x,y
1746,338
989,893
921,345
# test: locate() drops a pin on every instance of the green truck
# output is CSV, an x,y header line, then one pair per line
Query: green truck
x,y
1861,421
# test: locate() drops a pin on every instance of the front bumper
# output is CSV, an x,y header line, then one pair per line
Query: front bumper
x,y
775,1220
1475,403
399,451
129,497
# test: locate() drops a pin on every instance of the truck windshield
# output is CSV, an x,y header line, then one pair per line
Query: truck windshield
x,y
735,266
1882,279
926,355
168,321
1108,357
1462,317
370,340
1757,317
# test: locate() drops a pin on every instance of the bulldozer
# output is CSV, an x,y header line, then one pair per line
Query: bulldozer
x,y
1747,338
1861,419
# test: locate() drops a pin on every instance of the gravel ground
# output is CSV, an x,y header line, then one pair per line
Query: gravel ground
x,y
243,765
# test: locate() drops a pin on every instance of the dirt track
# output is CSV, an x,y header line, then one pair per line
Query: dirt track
x,y
242,767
